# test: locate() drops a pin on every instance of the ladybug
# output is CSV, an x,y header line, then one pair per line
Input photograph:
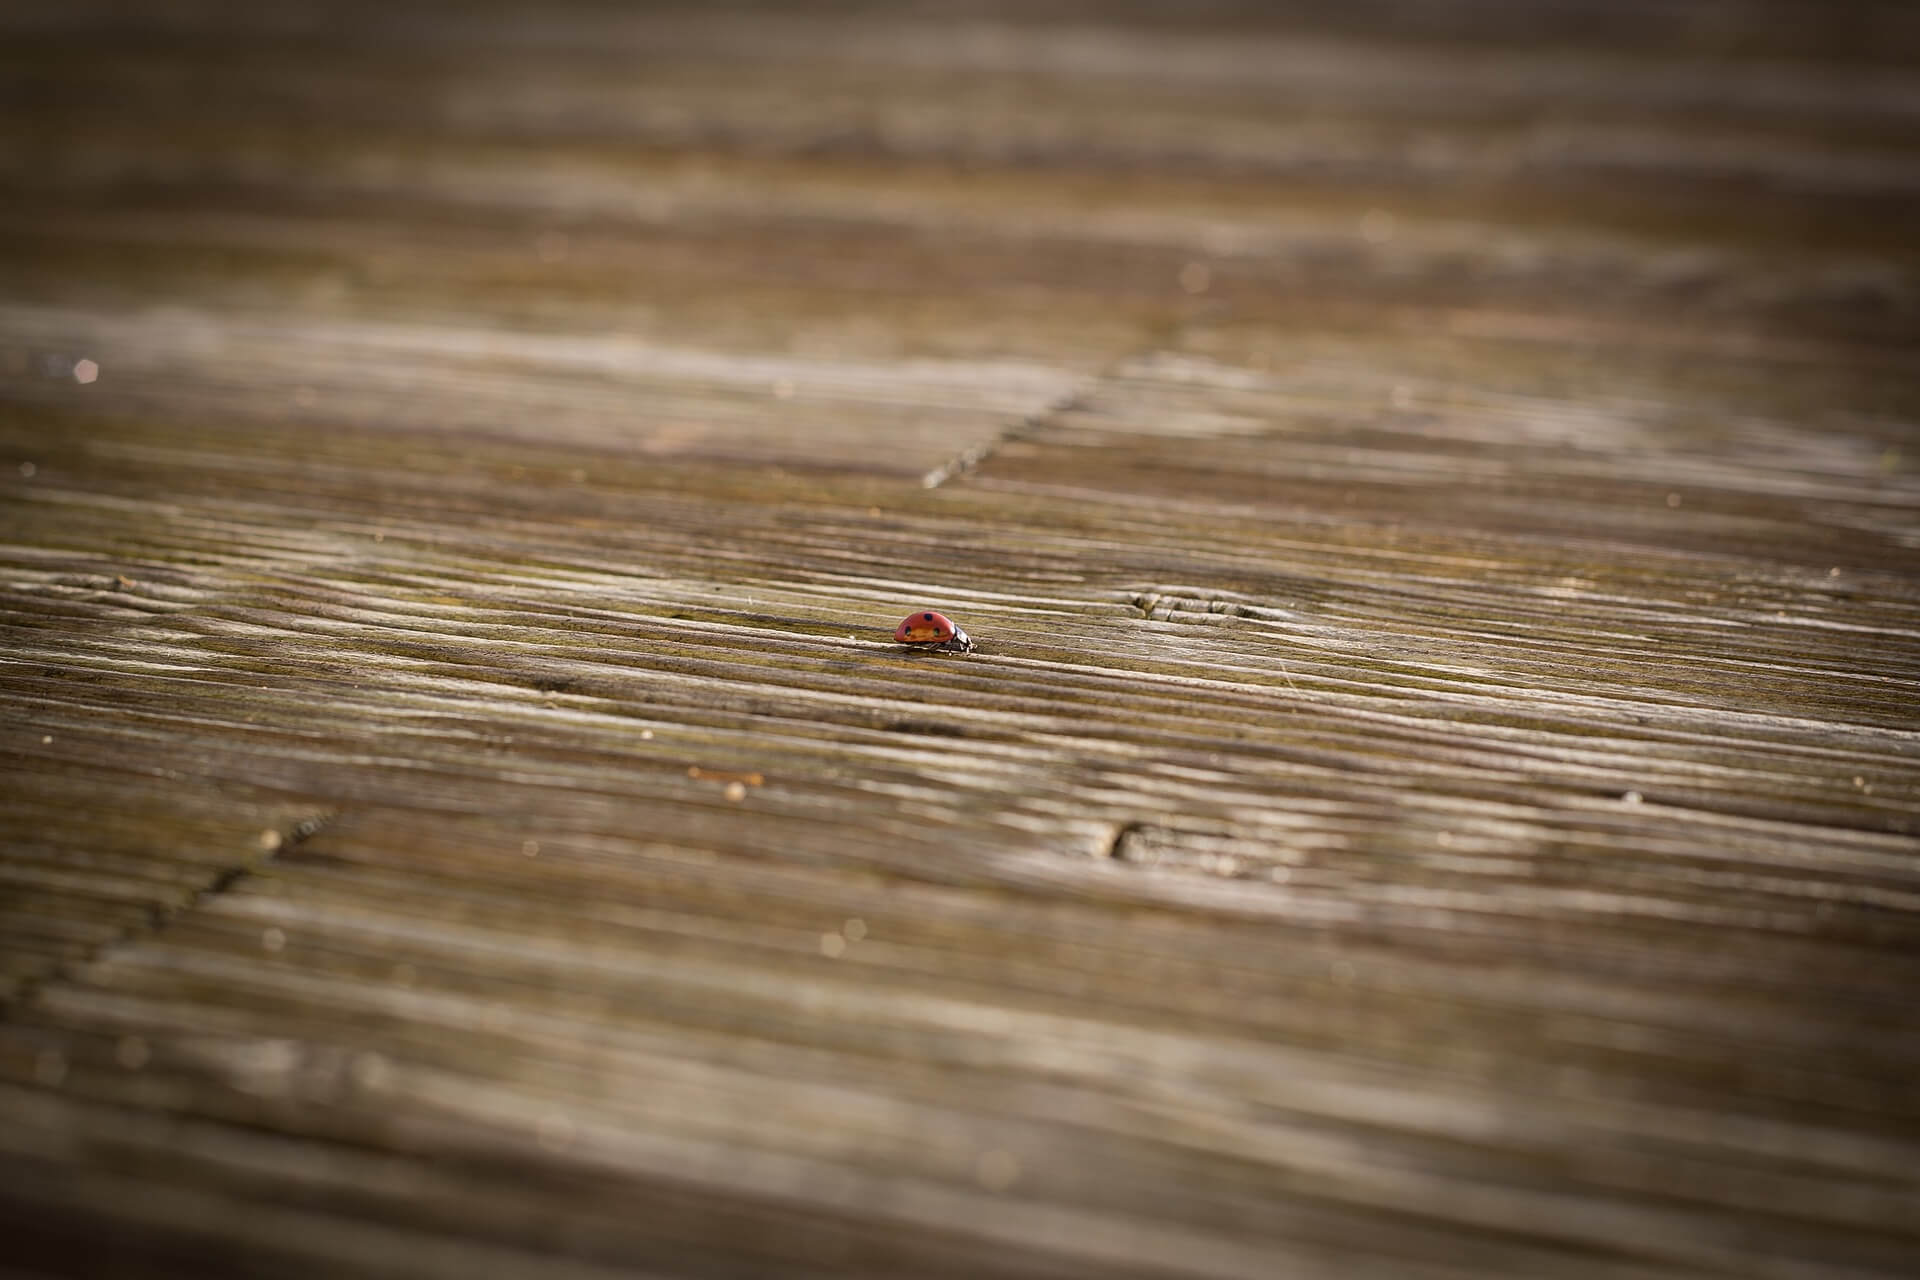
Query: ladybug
x,y
931,630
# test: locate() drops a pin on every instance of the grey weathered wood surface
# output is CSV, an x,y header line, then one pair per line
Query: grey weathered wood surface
x,y
1434,488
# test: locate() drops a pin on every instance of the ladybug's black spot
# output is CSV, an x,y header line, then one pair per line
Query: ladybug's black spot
x,y
927,616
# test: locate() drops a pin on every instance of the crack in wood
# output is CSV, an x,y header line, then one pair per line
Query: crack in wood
x,y
1125,837
1162,604
276,843
968,459
1078,398
933,728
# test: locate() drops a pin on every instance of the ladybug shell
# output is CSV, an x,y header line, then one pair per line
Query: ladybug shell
x,y
925,627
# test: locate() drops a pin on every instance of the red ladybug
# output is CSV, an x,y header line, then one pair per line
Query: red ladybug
x,y
933,631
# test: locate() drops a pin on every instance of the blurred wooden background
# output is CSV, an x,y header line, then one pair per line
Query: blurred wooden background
x,y
1434,487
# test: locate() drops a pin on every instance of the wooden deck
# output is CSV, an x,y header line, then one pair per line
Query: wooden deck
x,y
1434,488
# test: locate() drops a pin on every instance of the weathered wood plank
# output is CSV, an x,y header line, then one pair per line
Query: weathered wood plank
x,y
1433,490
